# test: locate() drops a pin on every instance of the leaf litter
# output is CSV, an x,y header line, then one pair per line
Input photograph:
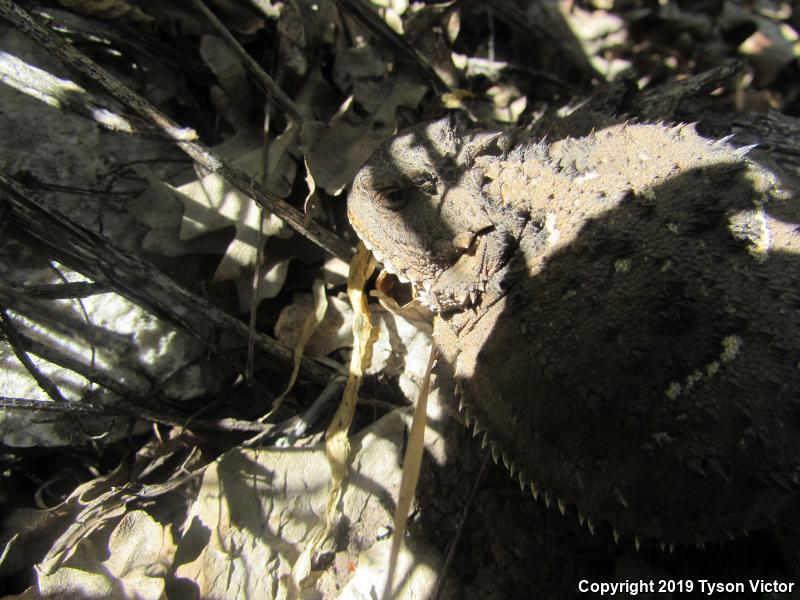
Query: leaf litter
x,y
316,519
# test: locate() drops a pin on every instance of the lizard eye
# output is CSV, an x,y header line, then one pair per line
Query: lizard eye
x,y
394,198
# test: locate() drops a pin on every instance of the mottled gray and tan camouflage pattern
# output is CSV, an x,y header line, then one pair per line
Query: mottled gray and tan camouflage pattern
x,y
619,313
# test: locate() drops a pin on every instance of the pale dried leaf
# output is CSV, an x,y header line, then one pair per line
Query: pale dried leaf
x,y
335,272
335,150
27,535
51,535
599,34
310,324
335,331
258,509
270,8
292,37
337,443
399,6
770,49
272,276
402,350
92,517
211,204
140,551
425,31
393,20
452,25
303,26
235,101
416,573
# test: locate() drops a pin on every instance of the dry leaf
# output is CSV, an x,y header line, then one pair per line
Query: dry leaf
x,y
234,100
257,511
272,276
53,533
139,552
312,320
416,573
211,204
270,8
335,150
770,48
335,331
427,31
337,443
303,26
600,33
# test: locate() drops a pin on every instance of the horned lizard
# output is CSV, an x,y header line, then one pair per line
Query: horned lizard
x,y
620,314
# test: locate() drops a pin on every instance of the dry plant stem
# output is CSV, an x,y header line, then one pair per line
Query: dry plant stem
x,y
249,372
337,442
451,550
289,431
665,99
9,331
78,408
63,291
412,462
405,51
49,316
85,408
250,368
55,356
547,25
97,258
271,90
185,138
67,96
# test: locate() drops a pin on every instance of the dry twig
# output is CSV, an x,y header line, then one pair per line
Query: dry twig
x,y
185,138
89,253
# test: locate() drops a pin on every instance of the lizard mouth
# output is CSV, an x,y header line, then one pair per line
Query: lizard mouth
x,y
422,286
446,287
388,266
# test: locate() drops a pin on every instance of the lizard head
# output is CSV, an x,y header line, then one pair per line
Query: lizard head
x,y
417,205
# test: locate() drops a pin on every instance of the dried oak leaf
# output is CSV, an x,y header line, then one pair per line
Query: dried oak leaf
x,y
211,204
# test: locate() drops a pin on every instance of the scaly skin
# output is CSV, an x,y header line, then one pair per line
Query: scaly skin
x,y
620,313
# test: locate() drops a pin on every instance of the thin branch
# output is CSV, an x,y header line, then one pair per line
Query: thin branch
x,y
63,291
80,408
665,99
58,321
381,30
57,357
185,138
12,336
271,90
40,220
87,408
542,21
